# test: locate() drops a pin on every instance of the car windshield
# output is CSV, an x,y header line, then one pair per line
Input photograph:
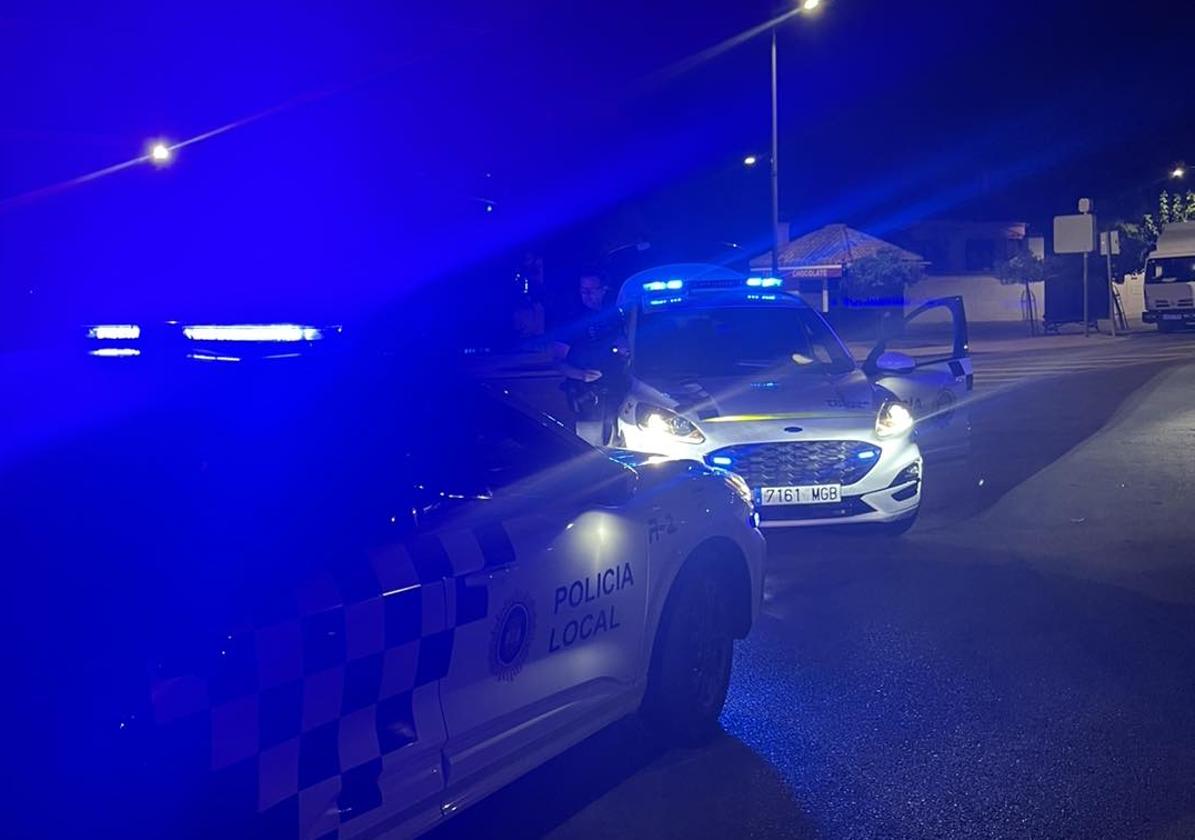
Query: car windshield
x,y
736,341
1170,270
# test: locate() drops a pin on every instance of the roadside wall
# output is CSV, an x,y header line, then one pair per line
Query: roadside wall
x,y
985,297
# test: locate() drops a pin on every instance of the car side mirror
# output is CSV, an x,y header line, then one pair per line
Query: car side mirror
x,y
893,363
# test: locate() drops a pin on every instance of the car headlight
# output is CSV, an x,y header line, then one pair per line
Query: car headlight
x,y
739,486
893,420
662,421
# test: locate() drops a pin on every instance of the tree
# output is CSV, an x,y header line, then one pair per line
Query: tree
x,y
1176,208
1021,267
885,273
1137,239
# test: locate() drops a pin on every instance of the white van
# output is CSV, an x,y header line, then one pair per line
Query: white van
x,y
1170,279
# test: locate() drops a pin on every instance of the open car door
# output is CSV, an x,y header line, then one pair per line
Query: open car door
x,y
935,384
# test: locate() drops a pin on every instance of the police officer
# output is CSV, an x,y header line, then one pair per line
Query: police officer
x,y
591,353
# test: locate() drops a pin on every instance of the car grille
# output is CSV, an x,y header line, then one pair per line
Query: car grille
x,y
853,506
798,463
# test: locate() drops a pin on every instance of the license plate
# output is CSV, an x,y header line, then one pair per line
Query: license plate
x,y
817,494
1172,317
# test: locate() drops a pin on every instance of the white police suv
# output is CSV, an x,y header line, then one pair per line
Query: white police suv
x,y
733,371
269,592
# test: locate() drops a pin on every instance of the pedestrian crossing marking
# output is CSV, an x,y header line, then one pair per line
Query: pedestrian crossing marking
x,y
1010,369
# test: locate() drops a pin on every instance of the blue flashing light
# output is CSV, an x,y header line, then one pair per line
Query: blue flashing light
x,y
721,461
867,454
209,357
663,285
765,282
114,332
115,352
252,332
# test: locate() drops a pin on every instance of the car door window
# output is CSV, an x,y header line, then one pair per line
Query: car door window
x,y
928,338
484,444
515,448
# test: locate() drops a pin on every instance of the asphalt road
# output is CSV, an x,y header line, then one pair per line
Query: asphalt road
x,y
1021,664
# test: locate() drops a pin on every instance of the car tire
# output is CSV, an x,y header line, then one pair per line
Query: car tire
x,y
691,659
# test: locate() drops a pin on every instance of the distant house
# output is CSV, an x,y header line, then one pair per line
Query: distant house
x,y
957,247
814,264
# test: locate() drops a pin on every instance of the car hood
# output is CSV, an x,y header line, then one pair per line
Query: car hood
x,y
771,394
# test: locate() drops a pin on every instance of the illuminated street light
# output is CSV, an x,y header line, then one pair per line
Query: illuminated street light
x,y
1178,172
750,160
810,5
160,153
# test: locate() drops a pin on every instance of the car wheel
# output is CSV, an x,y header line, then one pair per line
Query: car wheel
x,y
690,671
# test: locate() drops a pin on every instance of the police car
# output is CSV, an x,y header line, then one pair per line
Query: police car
x,y
733,371
263,591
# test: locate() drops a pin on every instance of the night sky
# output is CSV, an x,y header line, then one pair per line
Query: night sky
x,y
376,134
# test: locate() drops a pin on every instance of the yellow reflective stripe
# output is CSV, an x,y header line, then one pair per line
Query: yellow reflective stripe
x,y
749,418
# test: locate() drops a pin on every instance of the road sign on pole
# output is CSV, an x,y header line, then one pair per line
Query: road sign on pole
x,y
1110,243
1074,234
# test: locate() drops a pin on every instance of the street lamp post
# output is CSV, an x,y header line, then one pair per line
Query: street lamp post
x,y
804,6
775,167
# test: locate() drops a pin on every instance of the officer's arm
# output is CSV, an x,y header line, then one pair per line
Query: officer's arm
x,y
559,352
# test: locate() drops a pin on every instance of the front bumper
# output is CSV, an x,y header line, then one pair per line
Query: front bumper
x,y
884,493
1169,316
892,504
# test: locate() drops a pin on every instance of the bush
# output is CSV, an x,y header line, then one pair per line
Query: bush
x,y
1021,267
885,274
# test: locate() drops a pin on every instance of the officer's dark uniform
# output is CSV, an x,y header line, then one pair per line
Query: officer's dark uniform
x,y
592,345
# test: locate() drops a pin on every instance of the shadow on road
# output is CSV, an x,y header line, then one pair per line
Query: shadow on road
x,y
720,790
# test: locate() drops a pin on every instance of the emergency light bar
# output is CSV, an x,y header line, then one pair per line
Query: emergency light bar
x,y
252,332
764,282
114,332
663,285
